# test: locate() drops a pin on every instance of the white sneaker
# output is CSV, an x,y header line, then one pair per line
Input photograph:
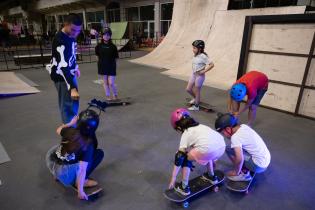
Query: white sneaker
x,y
193,108
240,177
192,101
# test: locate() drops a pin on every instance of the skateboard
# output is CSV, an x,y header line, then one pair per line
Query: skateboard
x,y
98,104
119,102
240,186
202,105
91,192
197,186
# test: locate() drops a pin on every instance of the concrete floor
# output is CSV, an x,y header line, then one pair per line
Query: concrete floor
x,y
139,146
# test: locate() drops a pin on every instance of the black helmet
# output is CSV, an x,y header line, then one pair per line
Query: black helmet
x,y
88,122
199,44
225,120
107,30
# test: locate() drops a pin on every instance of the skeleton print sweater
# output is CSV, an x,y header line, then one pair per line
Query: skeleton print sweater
x,y
63,62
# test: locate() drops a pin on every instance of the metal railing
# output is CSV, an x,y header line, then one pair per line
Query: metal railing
x,y
37,54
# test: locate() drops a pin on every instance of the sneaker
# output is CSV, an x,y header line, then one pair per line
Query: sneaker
x,y
183,191
192,101
241,177
194,108
212,179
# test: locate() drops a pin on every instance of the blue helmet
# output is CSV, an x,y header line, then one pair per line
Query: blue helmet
x,y
225,120
238,91
88,122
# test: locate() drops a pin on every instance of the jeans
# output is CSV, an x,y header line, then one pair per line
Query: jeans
x,y
68,107
260,95
248,161
67,173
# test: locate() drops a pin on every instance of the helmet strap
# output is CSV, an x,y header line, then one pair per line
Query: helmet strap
x,y
229,132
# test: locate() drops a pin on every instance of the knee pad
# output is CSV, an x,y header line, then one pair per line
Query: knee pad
x,y
187,163
180,158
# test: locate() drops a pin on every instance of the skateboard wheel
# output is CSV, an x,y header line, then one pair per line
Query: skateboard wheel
x,y
186,204
216,189
246,192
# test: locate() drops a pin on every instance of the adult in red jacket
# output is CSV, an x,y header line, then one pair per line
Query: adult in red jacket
x,y
254,85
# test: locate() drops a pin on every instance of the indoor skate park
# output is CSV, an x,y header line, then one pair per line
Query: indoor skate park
x,y
154,42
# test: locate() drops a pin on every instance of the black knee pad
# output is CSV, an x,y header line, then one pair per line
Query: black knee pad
x,y
187,163
180,158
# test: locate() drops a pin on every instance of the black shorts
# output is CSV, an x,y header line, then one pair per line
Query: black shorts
x,y
107,72
107,69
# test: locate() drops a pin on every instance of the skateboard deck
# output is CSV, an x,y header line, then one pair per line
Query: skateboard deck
x,y
202,105
240,186
119,102
197,185
91,192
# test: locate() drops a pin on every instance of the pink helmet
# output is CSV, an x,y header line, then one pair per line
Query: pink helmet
x,y
177,115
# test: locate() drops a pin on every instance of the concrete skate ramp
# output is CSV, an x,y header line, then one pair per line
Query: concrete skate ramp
x,y
10,84
222,30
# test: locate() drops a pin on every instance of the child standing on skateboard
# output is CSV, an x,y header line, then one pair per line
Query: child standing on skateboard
x,y
107,54
198,143
200,65
74,159
248,151
254,84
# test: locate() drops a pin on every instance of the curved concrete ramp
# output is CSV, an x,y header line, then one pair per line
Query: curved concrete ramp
x,y
222,30
10,84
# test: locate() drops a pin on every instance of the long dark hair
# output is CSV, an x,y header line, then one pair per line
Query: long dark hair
x,y
75,141
186,123
202,50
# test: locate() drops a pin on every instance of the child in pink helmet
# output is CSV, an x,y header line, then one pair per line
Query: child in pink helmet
x,y
198,143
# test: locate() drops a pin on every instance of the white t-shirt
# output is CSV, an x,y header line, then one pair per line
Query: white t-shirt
x,y
200,61
203,138
252,143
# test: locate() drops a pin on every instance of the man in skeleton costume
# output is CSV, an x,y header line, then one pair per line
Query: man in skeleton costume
x,y
64,69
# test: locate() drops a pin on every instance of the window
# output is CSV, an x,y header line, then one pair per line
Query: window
x,y
132,14
90,17
147,12
167,11
258,3
113,12
165,25
166,17
99,16
239,4
113,15
246,4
